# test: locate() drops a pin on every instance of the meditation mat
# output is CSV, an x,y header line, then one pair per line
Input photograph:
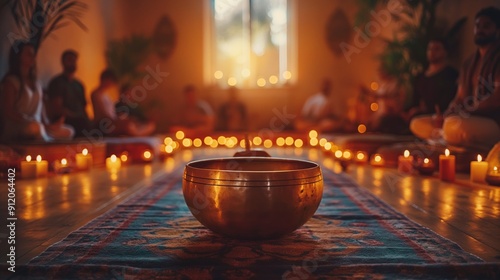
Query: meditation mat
x,y
352,235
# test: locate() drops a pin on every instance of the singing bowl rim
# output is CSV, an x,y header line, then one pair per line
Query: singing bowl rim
x,y
309,174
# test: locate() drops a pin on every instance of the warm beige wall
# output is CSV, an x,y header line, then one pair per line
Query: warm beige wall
x,y
314,60
184,66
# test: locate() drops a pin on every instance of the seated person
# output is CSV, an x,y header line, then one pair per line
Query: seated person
x,y
105,116
473,117
21,101
126,107
317,112
437,85
196,117
233,113
66,96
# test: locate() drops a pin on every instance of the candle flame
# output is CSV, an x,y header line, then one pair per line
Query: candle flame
x,y
347,154
85,152
179,135
495,168
447,152
28,158
378,158
147,154
38,158
426,160
479,158
113,158
338,154
360,155
169,149
64,161
406,153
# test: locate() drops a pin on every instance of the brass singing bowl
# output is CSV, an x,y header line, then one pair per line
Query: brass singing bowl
x,y
252,197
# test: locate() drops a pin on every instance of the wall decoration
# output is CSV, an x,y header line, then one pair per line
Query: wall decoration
x,y
164,37
338,30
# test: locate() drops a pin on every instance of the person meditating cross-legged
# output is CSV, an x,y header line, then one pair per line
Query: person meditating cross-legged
x,y
435,87
66,95
21,101
106,118
473,117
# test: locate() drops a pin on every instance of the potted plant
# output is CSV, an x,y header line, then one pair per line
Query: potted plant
x,y
36,20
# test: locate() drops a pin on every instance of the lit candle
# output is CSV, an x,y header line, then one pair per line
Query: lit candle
x,y
426,167
42,166
447,166
83,160
28,168
478,170
147,156
493,177
405,162
62,166
361,157
345,159
113,162
124,157
377,160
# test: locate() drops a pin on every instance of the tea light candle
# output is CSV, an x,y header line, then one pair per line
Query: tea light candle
x,y
361,157
345,159
62,166
447,166
147,156
493,177
113,162
28,168
426,167
377,160
405,162
83,160
478,170
124,158
42,166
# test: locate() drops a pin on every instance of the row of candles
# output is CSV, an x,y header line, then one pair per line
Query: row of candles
x,y
38,167
406,162
479,170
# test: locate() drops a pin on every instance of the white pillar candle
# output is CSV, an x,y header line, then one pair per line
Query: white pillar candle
x,y
42,166
478,170
113,162
83,160
28,168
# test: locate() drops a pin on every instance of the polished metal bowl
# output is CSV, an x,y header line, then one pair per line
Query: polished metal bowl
x,y
252,197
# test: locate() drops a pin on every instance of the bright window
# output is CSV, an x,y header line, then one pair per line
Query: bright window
x,y
250,43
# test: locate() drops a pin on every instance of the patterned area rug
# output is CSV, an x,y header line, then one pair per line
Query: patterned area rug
x,y
352,235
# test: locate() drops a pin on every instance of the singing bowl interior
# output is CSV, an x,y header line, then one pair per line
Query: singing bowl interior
x,y
252,198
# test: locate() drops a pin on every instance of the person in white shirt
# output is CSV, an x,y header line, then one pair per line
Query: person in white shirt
x,y
317,112
22,107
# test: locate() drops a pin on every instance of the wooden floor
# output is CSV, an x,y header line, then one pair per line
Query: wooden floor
x,y
49,209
